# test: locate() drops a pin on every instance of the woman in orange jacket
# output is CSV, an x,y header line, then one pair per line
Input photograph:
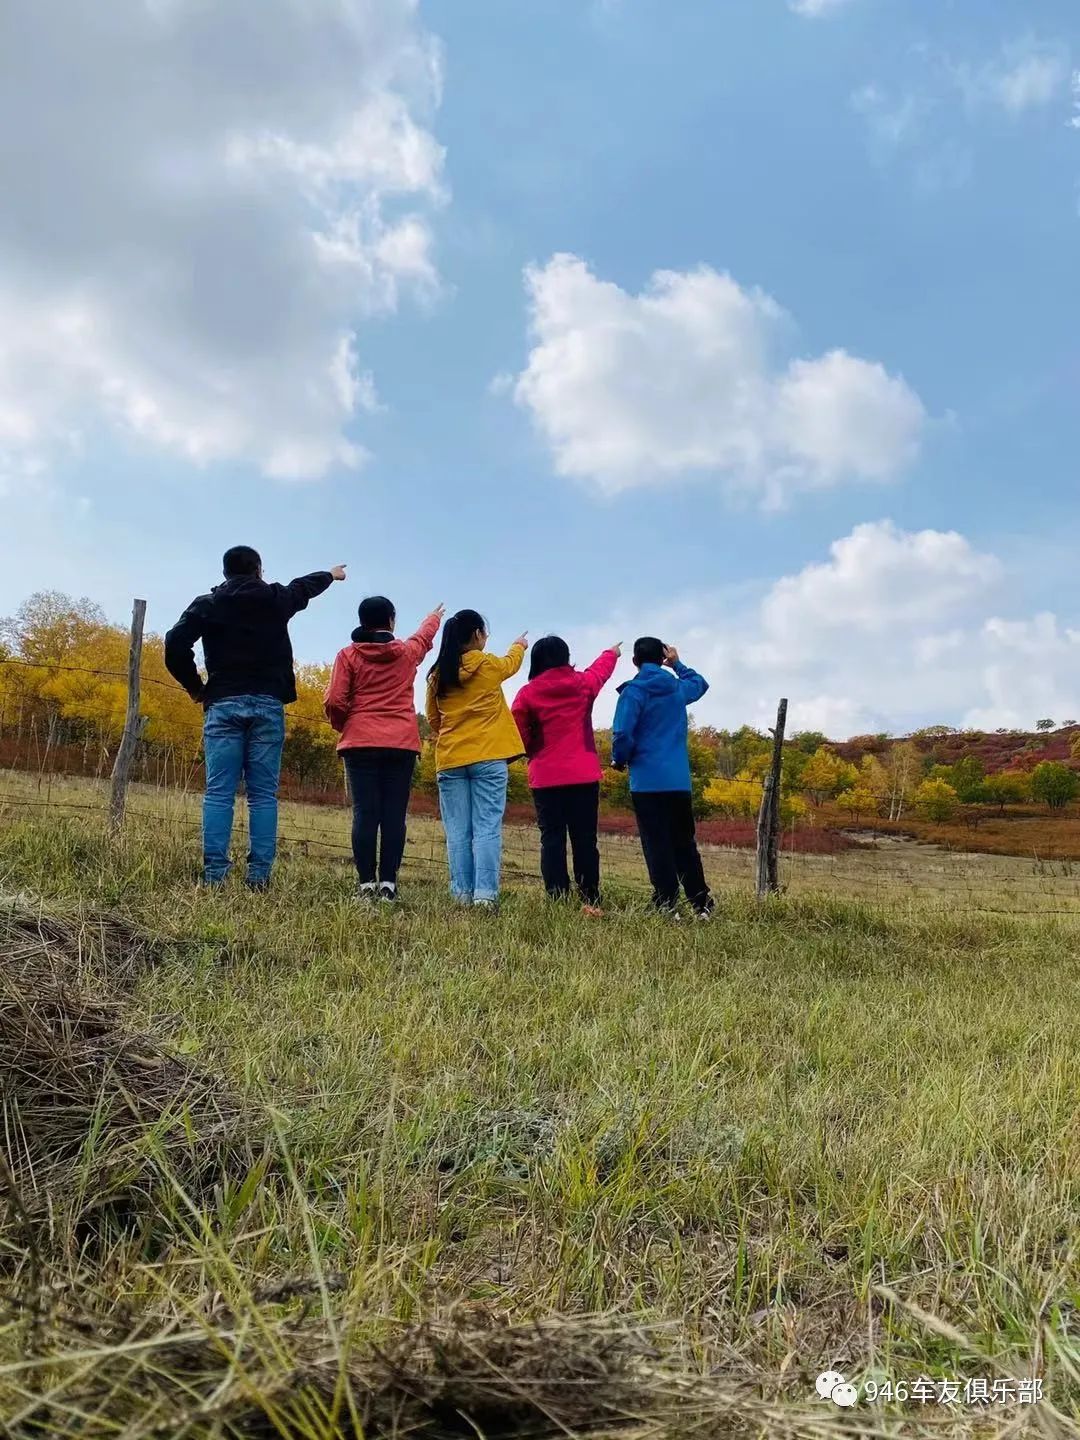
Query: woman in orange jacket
x,y
369,702
475,739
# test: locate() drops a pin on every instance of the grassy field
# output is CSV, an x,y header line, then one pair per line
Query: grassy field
x,y
278,1166
892,870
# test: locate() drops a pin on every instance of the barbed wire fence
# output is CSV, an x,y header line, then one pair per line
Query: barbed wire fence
x,y
167,795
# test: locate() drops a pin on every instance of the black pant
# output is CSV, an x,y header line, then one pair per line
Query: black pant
x,y
573,808
665,821
379,783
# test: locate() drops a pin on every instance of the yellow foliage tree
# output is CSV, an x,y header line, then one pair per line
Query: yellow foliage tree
x,y
858,801
935,800
825,775
739,798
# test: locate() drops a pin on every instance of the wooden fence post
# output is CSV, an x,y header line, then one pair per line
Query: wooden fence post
x,y
768,825
132,721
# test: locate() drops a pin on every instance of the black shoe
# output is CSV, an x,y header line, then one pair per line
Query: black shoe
x,y
388,891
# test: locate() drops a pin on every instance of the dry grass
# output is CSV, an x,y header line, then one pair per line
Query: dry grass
x,y
523,1175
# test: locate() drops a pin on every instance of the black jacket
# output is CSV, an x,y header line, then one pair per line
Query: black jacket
x,y
244,628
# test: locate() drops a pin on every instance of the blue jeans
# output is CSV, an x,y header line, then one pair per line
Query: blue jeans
x,y
242,736
472,800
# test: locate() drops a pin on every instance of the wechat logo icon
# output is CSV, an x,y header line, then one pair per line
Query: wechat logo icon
x,y
831,1385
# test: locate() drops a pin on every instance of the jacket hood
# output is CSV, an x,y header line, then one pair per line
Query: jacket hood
x,y
653,679
560,680
470,661
245,594
377,646
240,585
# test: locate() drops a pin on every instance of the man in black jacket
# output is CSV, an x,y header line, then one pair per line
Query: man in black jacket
x,y
244,628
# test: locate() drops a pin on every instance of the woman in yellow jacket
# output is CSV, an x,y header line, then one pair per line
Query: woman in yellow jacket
x,y
475,739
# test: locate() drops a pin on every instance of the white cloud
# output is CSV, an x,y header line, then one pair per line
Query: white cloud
x,y
1029,671
191,233
892,630
814,9
685,378
892,122
1026,74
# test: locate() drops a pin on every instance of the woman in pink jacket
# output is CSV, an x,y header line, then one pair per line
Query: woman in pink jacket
x,y
370,703
554,714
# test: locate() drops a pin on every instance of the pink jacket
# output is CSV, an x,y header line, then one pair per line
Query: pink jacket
x,y
554,714
369,700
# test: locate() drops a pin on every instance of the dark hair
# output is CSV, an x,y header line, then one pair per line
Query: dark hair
x,y
648,651
456,631
376,613
240,560
549,652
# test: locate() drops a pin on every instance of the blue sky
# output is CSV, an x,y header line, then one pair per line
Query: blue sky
x,y
801,396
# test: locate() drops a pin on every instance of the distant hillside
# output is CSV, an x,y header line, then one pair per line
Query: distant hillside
x,y
997,750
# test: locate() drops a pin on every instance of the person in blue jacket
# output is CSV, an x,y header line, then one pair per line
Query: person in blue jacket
x,y
649,737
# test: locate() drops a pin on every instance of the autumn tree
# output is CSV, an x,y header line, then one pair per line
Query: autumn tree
x,y
1008,787
858,801
935,800
903,768
966,777
825,775
1054,784
739,798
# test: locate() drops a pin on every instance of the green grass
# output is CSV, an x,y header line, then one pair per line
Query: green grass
x,y
814,1133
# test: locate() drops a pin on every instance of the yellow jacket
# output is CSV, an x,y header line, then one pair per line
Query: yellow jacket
x,y
473,722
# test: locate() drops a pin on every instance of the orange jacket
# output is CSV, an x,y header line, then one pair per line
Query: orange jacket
x,y
369,700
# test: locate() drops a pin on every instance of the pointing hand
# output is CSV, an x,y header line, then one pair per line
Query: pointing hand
x,y
338,572
523,640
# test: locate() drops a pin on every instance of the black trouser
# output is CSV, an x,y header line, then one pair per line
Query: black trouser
x,y
665,821
569,808
379,783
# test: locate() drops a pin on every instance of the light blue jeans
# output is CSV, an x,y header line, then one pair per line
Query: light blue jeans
x,y
242,736
472,801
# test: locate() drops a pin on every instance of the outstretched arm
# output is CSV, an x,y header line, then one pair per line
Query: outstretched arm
x,y
419,644
601,670
298,592
180,651
510,663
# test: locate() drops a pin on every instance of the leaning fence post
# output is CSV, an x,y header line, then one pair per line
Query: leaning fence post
x,y
768,825
132,721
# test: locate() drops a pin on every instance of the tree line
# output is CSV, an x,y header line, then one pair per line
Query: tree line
x,y
63,688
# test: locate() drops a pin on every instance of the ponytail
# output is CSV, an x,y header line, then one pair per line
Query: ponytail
x,y
457,631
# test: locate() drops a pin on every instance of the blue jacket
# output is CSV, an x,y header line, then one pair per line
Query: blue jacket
x,y
649,733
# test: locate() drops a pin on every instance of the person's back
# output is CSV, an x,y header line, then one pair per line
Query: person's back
x,y
475,738
649,737
369,701
554,715
658,757
243,625
473,719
